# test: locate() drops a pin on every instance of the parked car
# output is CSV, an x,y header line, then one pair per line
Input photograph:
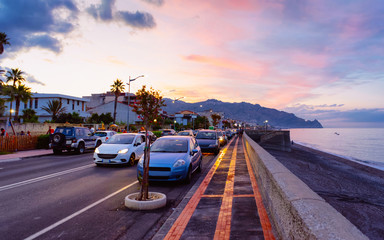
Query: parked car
x,y
124,148
172,158
229,133
186,133
208,141
167,132
105,135
222,138
151,134
73,138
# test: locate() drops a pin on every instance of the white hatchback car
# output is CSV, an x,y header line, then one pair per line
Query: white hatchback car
x,y
124,148
105,135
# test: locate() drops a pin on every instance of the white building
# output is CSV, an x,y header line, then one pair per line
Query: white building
x,y
121,111
39,100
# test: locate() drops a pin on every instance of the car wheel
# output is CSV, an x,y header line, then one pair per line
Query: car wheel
x,y
98,143
217,150
80,148
189,175
57,151
58,138
132,160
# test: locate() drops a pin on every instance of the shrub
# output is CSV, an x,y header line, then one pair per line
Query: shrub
x,y
43,141
157,133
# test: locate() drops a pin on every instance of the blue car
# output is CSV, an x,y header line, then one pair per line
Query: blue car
x,y
172,158
208,141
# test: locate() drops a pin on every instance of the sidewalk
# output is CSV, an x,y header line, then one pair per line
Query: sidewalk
x,y
225,205
24,154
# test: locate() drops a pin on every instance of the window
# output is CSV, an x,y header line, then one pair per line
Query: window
x,y
78,103
30,103
36,102
67,101
25,105
82,106
73,104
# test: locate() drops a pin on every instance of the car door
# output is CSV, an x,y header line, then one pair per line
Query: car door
x,y
89,139
195,157
139,144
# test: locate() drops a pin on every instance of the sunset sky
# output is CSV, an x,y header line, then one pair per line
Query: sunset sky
x,y
318,59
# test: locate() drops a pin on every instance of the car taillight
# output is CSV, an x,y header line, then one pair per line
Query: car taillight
x,y
106,138
74,140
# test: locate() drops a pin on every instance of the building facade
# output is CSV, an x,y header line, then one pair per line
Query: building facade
x,y
39,100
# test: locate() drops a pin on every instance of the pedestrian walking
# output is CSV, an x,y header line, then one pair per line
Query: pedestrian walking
x,y
50,130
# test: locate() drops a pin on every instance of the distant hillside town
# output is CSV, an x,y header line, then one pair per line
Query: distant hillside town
x,y
218,113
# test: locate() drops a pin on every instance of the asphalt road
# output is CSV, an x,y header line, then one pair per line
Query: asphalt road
x,y
68,197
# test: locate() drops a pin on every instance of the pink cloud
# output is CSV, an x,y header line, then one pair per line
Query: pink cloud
x,y
310,60
256,69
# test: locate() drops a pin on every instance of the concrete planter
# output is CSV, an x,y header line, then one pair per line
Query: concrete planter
x,y
159,201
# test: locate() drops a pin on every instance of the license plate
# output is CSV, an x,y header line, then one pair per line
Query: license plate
x,y
69,142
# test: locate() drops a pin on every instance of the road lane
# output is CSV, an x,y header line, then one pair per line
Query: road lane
x,y
28,209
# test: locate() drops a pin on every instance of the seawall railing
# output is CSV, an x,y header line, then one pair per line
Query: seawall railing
x,y
295,211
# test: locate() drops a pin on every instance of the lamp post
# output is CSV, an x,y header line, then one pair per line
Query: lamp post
x,y
129,97
266,122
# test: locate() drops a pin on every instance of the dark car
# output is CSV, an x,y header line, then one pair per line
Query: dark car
x,y
73,138
208,141
222,138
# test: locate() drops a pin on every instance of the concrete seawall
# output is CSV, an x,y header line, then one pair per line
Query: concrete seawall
x,y
295,211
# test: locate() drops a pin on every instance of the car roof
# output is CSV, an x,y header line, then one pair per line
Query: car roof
x,y
134,134
176,137
207,130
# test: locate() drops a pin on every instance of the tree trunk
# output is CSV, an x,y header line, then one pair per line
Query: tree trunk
x,y
114,110
17,110
145,182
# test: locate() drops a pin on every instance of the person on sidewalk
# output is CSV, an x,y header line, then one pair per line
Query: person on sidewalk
x,y
50,131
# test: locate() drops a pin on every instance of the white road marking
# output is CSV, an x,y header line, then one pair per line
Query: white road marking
x,y
77,213
33,180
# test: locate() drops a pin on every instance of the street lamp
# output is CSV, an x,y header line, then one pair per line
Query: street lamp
x,y
266,122
174,125
129,97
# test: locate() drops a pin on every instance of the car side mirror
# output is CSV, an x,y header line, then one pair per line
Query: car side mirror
x,y
194,151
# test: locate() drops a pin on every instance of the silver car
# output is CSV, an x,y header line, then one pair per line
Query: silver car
x,y
124,148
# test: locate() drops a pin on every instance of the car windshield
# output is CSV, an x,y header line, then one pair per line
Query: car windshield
x,y
170,145
206,135
101,134
65,131
183,133
121,139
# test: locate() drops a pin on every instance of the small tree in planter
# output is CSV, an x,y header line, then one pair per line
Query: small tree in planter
x,y
147,106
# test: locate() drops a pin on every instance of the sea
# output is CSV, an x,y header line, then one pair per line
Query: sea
x,y
362,145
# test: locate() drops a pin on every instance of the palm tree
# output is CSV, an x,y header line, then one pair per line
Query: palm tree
x,y
22,93
3,41
15,76
117,87
55,108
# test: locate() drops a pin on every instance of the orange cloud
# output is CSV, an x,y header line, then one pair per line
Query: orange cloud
x,y
257,69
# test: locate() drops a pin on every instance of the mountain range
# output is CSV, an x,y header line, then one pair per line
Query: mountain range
x,y
243,112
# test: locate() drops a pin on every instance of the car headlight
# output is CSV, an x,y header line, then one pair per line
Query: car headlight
x,y
125,150
141,162
97,150
179,163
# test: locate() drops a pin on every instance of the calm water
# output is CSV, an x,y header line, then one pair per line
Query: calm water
x,y
364,145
